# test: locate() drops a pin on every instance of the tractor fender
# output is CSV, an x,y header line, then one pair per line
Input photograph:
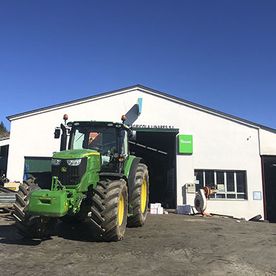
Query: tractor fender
x,y
131,176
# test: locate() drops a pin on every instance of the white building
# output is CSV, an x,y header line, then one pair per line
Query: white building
x,y
198,145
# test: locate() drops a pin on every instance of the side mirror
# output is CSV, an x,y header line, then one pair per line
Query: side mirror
x,y
132,135
57,133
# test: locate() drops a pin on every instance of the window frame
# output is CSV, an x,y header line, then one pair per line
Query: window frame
x,y
223,195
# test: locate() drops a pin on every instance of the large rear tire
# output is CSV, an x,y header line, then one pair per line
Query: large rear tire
x,y
140,197
28,226
109,208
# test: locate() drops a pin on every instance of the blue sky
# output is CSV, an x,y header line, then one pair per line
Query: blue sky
x,y
221,54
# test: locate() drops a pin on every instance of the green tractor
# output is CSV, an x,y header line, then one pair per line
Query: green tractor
x,y
94,179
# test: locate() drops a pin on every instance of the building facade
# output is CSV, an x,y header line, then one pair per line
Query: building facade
x,y
188,146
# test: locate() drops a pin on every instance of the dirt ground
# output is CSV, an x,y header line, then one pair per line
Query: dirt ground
x,y
166,245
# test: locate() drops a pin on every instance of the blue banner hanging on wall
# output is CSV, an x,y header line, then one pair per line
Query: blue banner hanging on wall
x,y
139,103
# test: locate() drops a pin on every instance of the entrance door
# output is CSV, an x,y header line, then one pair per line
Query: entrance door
x,y
3,159
269,177
160,157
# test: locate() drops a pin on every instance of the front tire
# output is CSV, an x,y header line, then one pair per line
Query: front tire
x,y
28,226
109,208
140,197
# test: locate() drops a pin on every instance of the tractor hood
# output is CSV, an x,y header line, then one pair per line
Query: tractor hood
x,y
77,153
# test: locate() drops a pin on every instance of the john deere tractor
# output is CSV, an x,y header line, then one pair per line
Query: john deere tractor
x,y
94,179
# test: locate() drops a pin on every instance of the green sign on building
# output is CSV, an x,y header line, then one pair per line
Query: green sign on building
x,y
185,144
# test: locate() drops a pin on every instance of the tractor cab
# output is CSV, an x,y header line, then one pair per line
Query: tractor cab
x,y
108,138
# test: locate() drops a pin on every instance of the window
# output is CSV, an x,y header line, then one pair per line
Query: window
x,y
209,178
230,181
200,180
229,184
123,142
99,138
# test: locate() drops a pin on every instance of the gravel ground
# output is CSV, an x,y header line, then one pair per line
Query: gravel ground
x,y
166,245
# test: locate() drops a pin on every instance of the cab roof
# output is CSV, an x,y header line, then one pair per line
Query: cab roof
x,y
98,123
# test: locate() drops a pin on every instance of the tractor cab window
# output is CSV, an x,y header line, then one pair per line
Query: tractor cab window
x,y
78,140
123,142
102,139
95,140
110,141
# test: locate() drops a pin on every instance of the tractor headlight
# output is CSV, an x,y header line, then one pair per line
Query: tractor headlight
x,y
73,162
56,162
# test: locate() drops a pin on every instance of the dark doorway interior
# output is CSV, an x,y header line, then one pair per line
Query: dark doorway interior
x,y
269,176
162,167
4,151
40,168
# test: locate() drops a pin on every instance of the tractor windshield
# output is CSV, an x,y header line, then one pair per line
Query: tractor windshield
x,y
103,139
110,141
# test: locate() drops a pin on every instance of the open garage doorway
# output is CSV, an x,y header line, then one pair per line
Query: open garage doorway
x,y
158,149
40,169
269,180
4,152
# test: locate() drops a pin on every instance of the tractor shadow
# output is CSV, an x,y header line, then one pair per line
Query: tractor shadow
x,y
9,234
83,231
78,232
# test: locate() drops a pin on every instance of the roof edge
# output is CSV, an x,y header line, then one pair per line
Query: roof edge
x,y
146,90
73,102
206,109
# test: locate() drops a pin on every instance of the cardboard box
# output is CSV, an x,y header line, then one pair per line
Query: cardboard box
x,y
153,211
160,211
156,209
155,205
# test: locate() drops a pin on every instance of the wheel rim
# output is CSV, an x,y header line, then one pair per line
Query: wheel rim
x,y
121,210
144,196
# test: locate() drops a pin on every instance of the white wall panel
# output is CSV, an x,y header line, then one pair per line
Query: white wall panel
x,y
267,142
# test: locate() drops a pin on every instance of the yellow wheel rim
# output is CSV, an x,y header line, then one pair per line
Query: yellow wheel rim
x,y
121,210
144,196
